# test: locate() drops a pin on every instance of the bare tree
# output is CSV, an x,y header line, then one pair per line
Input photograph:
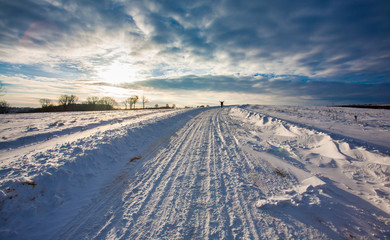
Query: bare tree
x,y
73,99
156,105
4,107
144,100
125,103
109,101
92,100
128,102
45,102
173,105
63,100
133,101
66,100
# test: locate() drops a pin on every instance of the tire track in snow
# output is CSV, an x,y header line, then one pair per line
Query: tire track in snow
x,y
196,186
193,191
164,189
144,182
110,202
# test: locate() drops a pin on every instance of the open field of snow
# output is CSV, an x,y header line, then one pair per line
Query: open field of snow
x,y
241,172
372,126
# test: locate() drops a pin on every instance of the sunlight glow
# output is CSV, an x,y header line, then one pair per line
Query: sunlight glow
x,y
117,73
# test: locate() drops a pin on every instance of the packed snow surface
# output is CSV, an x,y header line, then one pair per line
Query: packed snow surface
x,y
240,172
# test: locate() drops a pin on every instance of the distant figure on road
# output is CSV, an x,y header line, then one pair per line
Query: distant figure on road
x,y
221,103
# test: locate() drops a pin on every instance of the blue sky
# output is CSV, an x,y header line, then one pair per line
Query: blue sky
x,y
197,52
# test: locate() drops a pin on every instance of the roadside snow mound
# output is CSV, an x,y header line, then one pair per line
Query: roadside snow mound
x,y
301,194
363,172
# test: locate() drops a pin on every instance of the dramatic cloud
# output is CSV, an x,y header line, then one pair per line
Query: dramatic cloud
x,y
310,51
292,89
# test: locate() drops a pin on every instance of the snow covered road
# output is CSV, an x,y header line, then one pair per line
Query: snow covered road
x,y
236,174
206,183
192,188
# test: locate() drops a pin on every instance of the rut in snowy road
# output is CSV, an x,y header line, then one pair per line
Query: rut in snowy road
x,y
207,182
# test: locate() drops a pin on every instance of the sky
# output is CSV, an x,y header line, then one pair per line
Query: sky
x,y
196,52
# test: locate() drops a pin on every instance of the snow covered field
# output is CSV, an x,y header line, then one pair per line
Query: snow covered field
x,y
241,172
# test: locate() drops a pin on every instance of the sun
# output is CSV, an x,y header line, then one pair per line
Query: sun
x,y
117,73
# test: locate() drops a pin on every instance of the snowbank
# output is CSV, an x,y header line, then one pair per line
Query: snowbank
x,y
311,154
339,185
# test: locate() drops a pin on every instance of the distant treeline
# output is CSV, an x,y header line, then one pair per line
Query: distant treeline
x,y
69,103
74,107
372,106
